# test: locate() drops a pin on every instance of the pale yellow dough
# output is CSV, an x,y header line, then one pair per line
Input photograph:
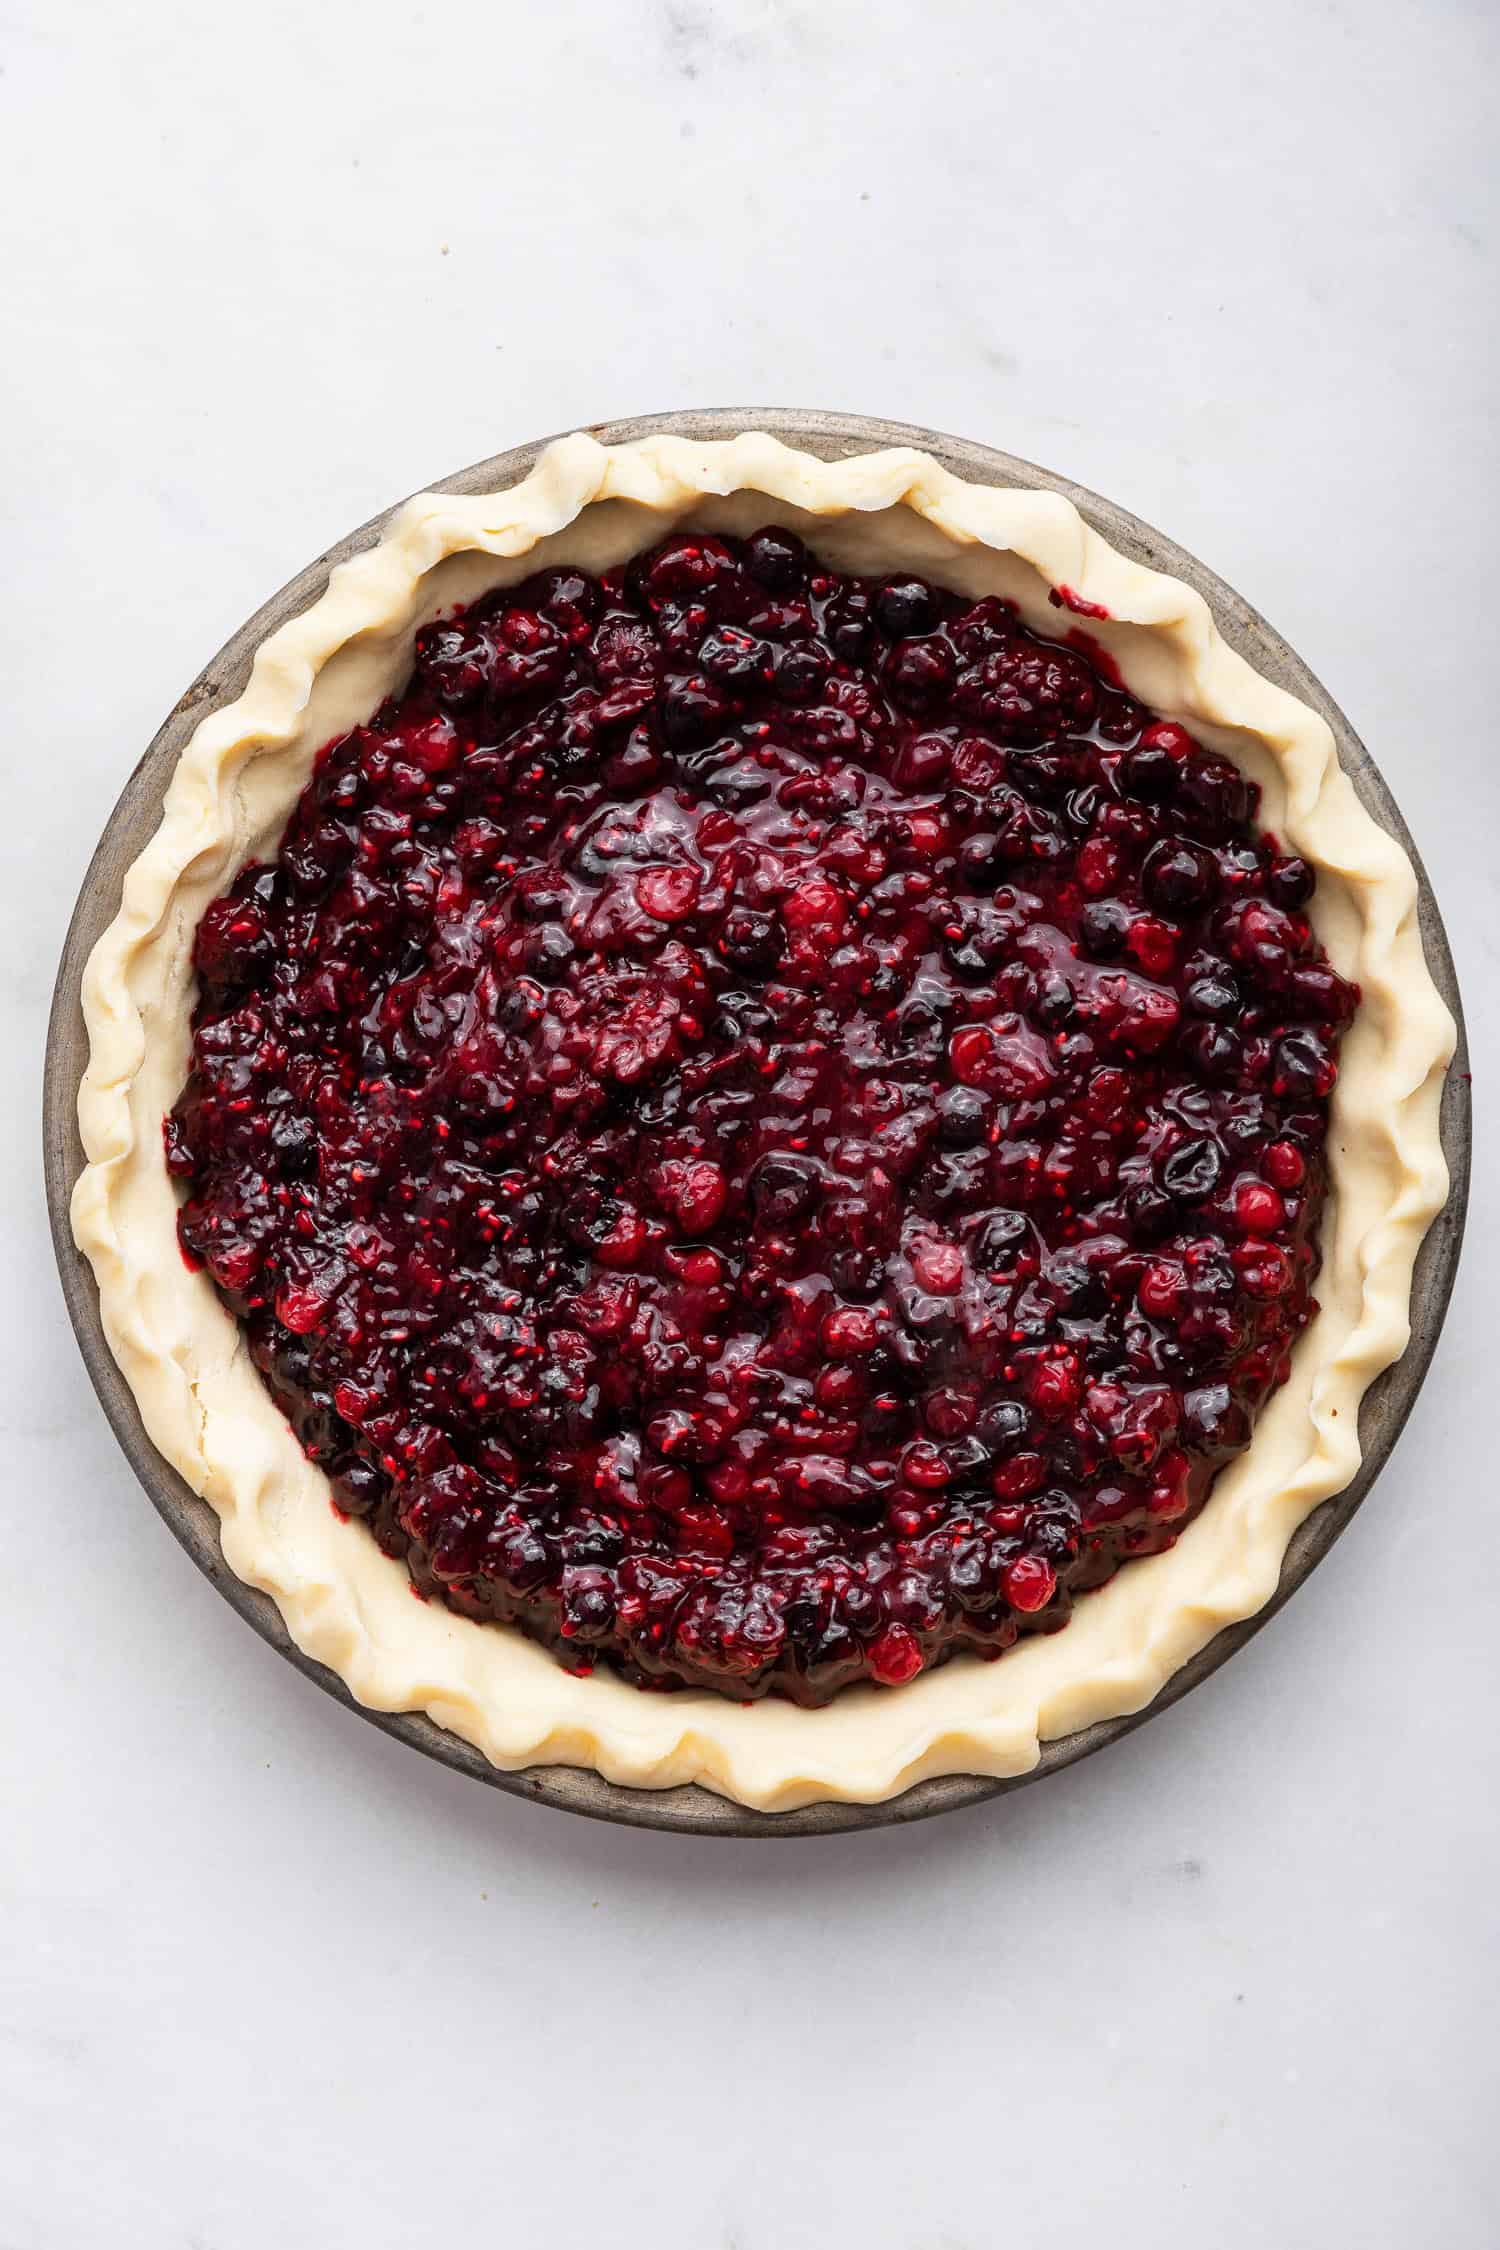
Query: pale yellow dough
x,y
202,1400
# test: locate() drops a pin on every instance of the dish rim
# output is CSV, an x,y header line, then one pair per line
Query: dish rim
x,y
691,1808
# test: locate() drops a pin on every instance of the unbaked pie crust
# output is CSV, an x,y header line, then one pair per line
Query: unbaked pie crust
x,y
202,1401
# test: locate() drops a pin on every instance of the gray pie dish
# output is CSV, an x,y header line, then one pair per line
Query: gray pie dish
x,y
691,1809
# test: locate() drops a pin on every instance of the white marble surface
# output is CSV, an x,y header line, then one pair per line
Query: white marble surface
x,y
270,1978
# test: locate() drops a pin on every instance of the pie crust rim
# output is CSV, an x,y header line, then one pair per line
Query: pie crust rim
x,y
862,1768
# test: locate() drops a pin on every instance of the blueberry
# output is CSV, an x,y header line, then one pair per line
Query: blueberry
x,y
800,672
1304,1065
983,858
857,1274
1179,878
691,712
919,672
1216,794
784,1188
588,1610
846,623
974,1575
963,1116
1290,884
359,1487
1103,927
998,1239
1003,1425
1193,1170
776,560
1214,1052
548,952
1216,996
904,606
1149,773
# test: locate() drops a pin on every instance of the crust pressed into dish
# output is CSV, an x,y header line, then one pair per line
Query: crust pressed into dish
x,y
201,1399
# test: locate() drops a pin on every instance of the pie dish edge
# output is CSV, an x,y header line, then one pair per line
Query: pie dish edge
x,y
203,1405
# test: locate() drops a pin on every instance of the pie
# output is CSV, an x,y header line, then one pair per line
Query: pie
x,y
765,1126
774,1081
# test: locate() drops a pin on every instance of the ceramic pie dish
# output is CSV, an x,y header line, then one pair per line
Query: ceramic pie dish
x,y
798,1085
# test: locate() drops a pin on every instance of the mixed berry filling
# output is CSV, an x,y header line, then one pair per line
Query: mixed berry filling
x,y
763,1126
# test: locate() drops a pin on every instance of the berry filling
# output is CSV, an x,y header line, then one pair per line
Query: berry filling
x,y
763,1126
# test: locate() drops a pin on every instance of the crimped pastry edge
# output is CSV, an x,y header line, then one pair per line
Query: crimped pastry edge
x,y
203,1404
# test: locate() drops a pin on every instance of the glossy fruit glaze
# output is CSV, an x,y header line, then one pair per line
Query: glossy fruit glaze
x,y
763,1126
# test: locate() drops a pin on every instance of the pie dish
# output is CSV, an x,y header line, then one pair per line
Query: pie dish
x,y
922,537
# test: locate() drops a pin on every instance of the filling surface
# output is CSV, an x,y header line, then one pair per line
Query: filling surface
x,y
764,1126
